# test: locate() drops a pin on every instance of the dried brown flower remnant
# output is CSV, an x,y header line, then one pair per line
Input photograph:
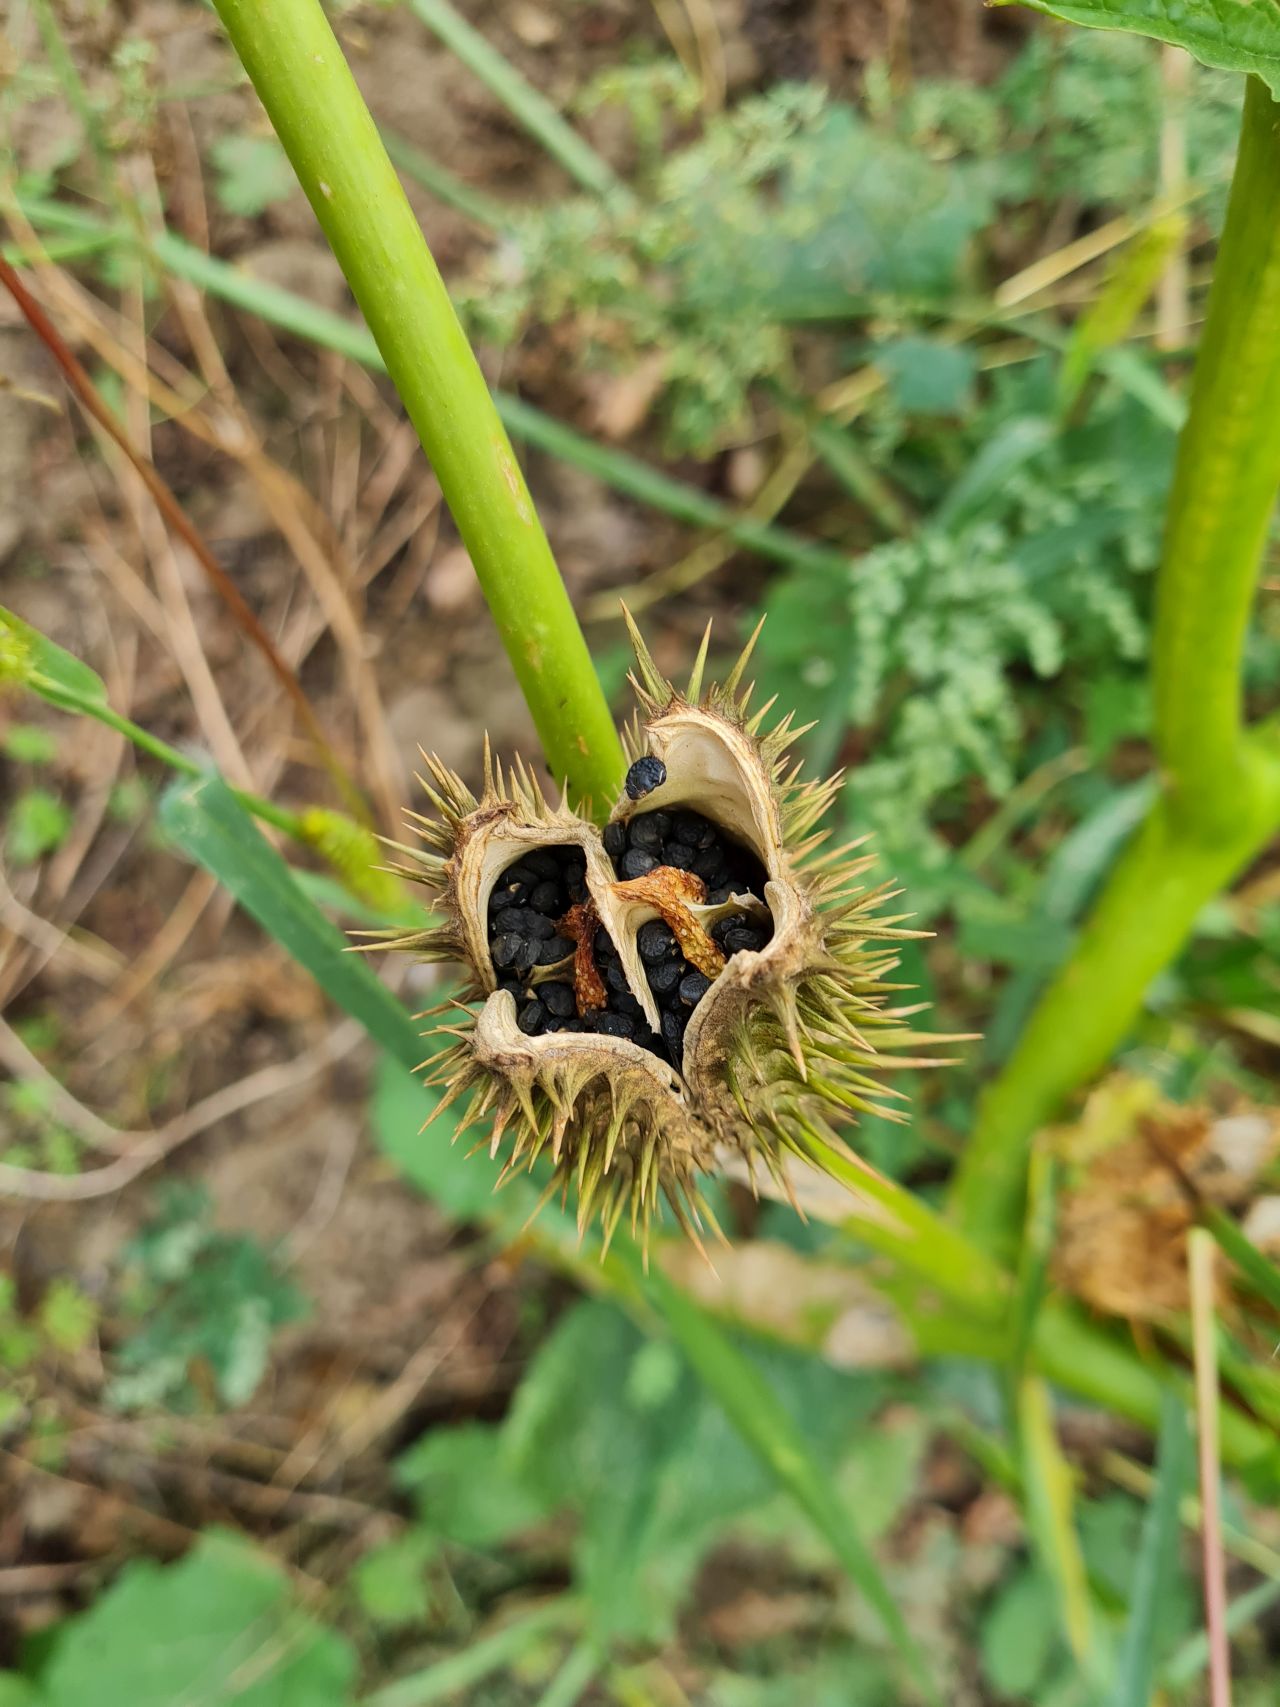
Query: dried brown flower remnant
x,y
1136,1166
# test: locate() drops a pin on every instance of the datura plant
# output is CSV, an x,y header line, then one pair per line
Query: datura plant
x,y
700,986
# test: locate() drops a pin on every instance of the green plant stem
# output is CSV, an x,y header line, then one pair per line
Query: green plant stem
x,y
526,104
261,808
294,61
1220,784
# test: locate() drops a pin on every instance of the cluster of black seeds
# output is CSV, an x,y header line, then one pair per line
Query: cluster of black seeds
x,y
689,842
526,903
533,895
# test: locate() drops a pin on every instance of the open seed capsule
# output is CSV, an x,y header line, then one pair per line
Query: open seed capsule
x,y
694,980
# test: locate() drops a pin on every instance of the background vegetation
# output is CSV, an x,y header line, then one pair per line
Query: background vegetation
x,y
878,325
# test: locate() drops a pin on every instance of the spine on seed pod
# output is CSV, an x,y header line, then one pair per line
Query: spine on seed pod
x,y
703,982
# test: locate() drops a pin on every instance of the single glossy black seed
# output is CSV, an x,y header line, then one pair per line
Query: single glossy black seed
x,y
644,776
545,862
730,922
693,987
500,899
520,873
625,1003
532,1018
515,986
655,941
616,1025
529,953
538,926
557,998
646,833
615,840
636,862
664,978
615,977
680,855
553,949
709,866
743,936
547,898
505,948
716,896
577,890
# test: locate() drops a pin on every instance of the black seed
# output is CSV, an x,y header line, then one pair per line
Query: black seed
x,y
528,954
577,890
616,1025
500,899
545,862
514,986
538,926
572,1025
664,978
730,922
636,862
655,941
547,898
553,949
520,873
646,832
505,948
625,1003
532,1018
673,1035
615,840
680,855
709,866
743,936
616,978
716,896
644,776
693,987
558,999
687,827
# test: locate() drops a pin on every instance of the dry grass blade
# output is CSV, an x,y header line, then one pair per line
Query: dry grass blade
x,y
175,517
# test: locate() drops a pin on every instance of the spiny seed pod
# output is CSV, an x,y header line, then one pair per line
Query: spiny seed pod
x,y
699,982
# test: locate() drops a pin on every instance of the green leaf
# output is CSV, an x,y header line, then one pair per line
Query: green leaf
x,y
434,1156
1018,1635
1008,449
28,744
15,1691
67,1317
927,377
38,823
252,173
756,1412
219,1627
208,823
1157,1560
390,1581
468,1486
1233,35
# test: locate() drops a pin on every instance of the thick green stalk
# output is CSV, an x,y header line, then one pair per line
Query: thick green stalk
x,y
1220,799
297,67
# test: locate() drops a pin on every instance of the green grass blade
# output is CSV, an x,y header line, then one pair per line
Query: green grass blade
x,y
527,105
1157,1560
754,1410
1049,1496
449,1677
1193,1656
1261,1274
444,185
303,319
210,826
